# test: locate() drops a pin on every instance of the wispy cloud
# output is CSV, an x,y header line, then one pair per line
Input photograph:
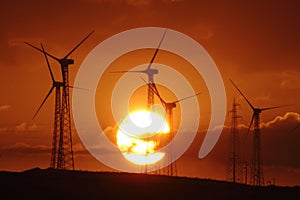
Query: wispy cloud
x,y
5,107
287,117
24,126
263,97
21,127
109,132
26,148
290,80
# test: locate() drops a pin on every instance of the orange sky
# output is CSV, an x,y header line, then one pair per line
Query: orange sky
x,y
255,44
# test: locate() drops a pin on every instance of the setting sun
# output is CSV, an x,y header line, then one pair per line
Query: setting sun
x,y
138,137
104,86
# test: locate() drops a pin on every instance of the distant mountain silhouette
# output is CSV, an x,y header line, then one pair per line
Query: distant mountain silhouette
x,y
62,185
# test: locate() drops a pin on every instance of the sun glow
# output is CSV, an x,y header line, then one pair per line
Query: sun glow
x,y
138,137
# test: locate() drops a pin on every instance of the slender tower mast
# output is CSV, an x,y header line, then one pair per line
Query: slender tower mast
x,y
65,150
56,131
246,173
57,115
256,173
234,170
171,169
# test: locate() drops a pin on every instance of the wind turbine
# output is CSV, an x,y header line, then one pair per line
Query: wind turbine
x,y
169,106
257,176
150,72
57,115
66,160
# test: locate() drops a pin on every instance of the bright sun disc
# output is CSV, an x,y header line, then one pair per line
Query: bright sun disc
x,y
133,137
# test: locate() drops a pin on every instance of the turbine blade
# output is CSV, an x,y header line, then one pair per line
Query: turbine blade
x,y
242,95
43,102
135,71
163,102
154,89
42,51
69,86
186,98
275,107
78,45
118,72
155,53
250,124
52,77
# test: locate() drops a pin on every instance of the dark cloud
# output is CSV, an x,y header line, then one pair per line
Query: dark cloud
x,y
280,146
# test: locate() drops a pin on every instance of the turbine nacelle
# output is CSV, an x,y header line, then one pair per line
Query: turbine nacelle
x,y
171,105
151,71
66,62
167,105
58,84
257,111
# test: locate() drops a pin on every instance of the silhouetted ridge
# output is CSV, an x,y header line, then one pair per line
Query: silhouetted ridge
x,y
63,184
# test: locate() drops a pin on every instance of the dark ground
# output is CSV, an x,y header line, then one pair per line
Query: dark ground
x,y
61,185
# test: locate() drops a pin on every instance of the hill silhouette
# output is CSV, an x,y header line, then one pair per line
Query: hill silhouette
x,y
51,184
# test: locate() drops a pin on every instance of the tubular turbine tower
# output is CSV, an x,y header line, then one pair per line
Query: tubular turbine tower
x,y
65,157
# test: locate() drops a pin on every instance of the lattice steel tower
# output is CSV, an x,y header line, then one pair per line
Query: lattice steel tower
x,y
234,167
64,158
171,169
57,114
257,175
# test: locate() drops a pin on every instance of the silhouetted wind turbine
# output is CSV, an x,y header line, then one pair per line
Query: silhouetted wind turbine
x,y
57,115
257,177
66,158
169,106
150,72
